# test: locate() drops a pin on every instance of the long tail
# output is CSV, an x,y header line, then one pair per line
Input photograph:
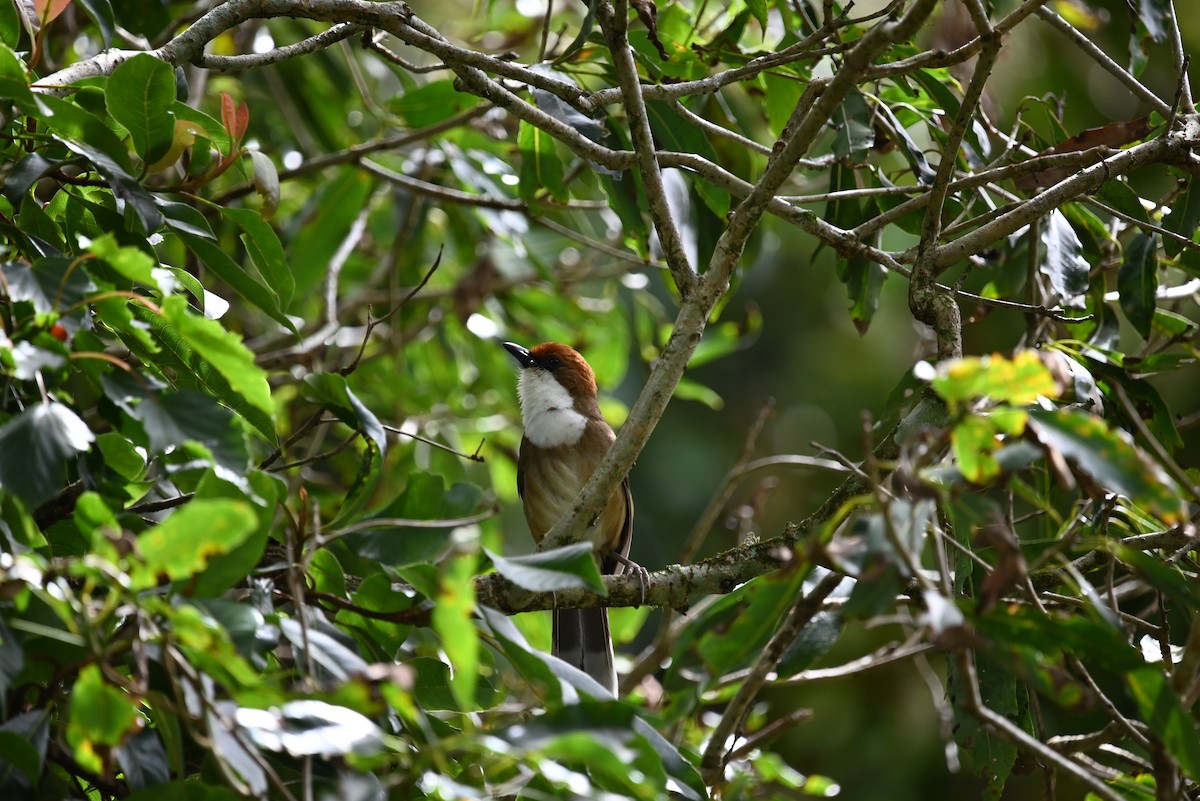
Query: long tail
x,y
581,638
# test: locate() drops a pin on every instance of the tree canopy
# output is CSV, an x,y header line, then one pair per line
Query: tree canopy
x,y
892,303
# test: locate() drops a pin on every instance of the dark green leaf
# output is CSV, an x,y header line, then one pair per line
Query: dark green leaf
x,y
172,419
328,647
568,567
332,392
1164,714
124,186
24,739
1183,219
424,498
102,14
1111,458
1153,14
864,282
1120,196
51,285
992,756
431,103
328,218
1137,281
35,448
143,760
73,123
25,173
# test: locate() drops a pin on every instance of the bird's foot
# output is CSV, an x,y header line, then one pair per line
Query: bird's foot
x,y
643,575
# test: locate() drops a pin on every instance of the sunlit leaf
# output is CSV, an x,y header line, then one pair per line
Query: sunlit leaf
x,y
100,717
140,94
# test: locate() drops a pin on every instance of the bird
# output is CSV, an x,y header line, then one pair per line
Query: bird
x,y
565,439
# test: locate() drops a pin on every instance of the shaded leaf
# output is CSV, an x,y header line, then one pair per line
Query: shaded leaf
x,y
571,566
1137,281
855,134
1162,711
35,448
1111,458
310,728
1183,219
333,392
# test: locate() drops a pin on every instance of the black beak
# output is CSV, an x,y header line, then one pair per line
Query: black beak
x,y
519,353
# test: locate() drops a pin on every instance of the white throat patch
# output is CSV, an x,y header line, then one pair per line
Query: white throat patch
x,y
547,410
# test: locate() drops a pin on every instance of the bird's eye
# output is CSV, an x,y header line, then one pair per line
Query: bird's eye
x,y
553,363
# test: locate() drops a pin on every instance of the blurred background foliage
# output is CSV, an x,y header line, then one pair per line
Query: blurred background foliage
x,y
432,285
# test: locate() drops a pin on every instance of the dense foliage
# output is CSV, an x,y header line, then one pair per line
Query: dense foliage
x,y
257,484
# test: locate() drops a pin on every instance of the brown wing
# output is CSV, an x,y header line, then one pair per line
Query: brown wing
x,y
625,538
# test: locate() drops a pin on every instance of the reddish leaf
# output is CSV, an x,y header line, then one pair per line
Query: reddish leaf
x,y
236,119
48,10
1115,135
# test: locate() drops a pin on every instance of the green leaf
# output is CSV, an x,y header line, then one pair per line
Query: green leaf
x,y
99,718
224,351
102,14
131,262
140,94
425,497
14,84
324,226
376,631
571,566
35,448
855,134
262,243
71,122
864,283
333,392
1183,219
1111,458
1137,281
1164,714
1019,380
123,185
1120,196
674,133
431,103
759,9
175,418
229,271
974,441
541,168
453,614
183,544
992,756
